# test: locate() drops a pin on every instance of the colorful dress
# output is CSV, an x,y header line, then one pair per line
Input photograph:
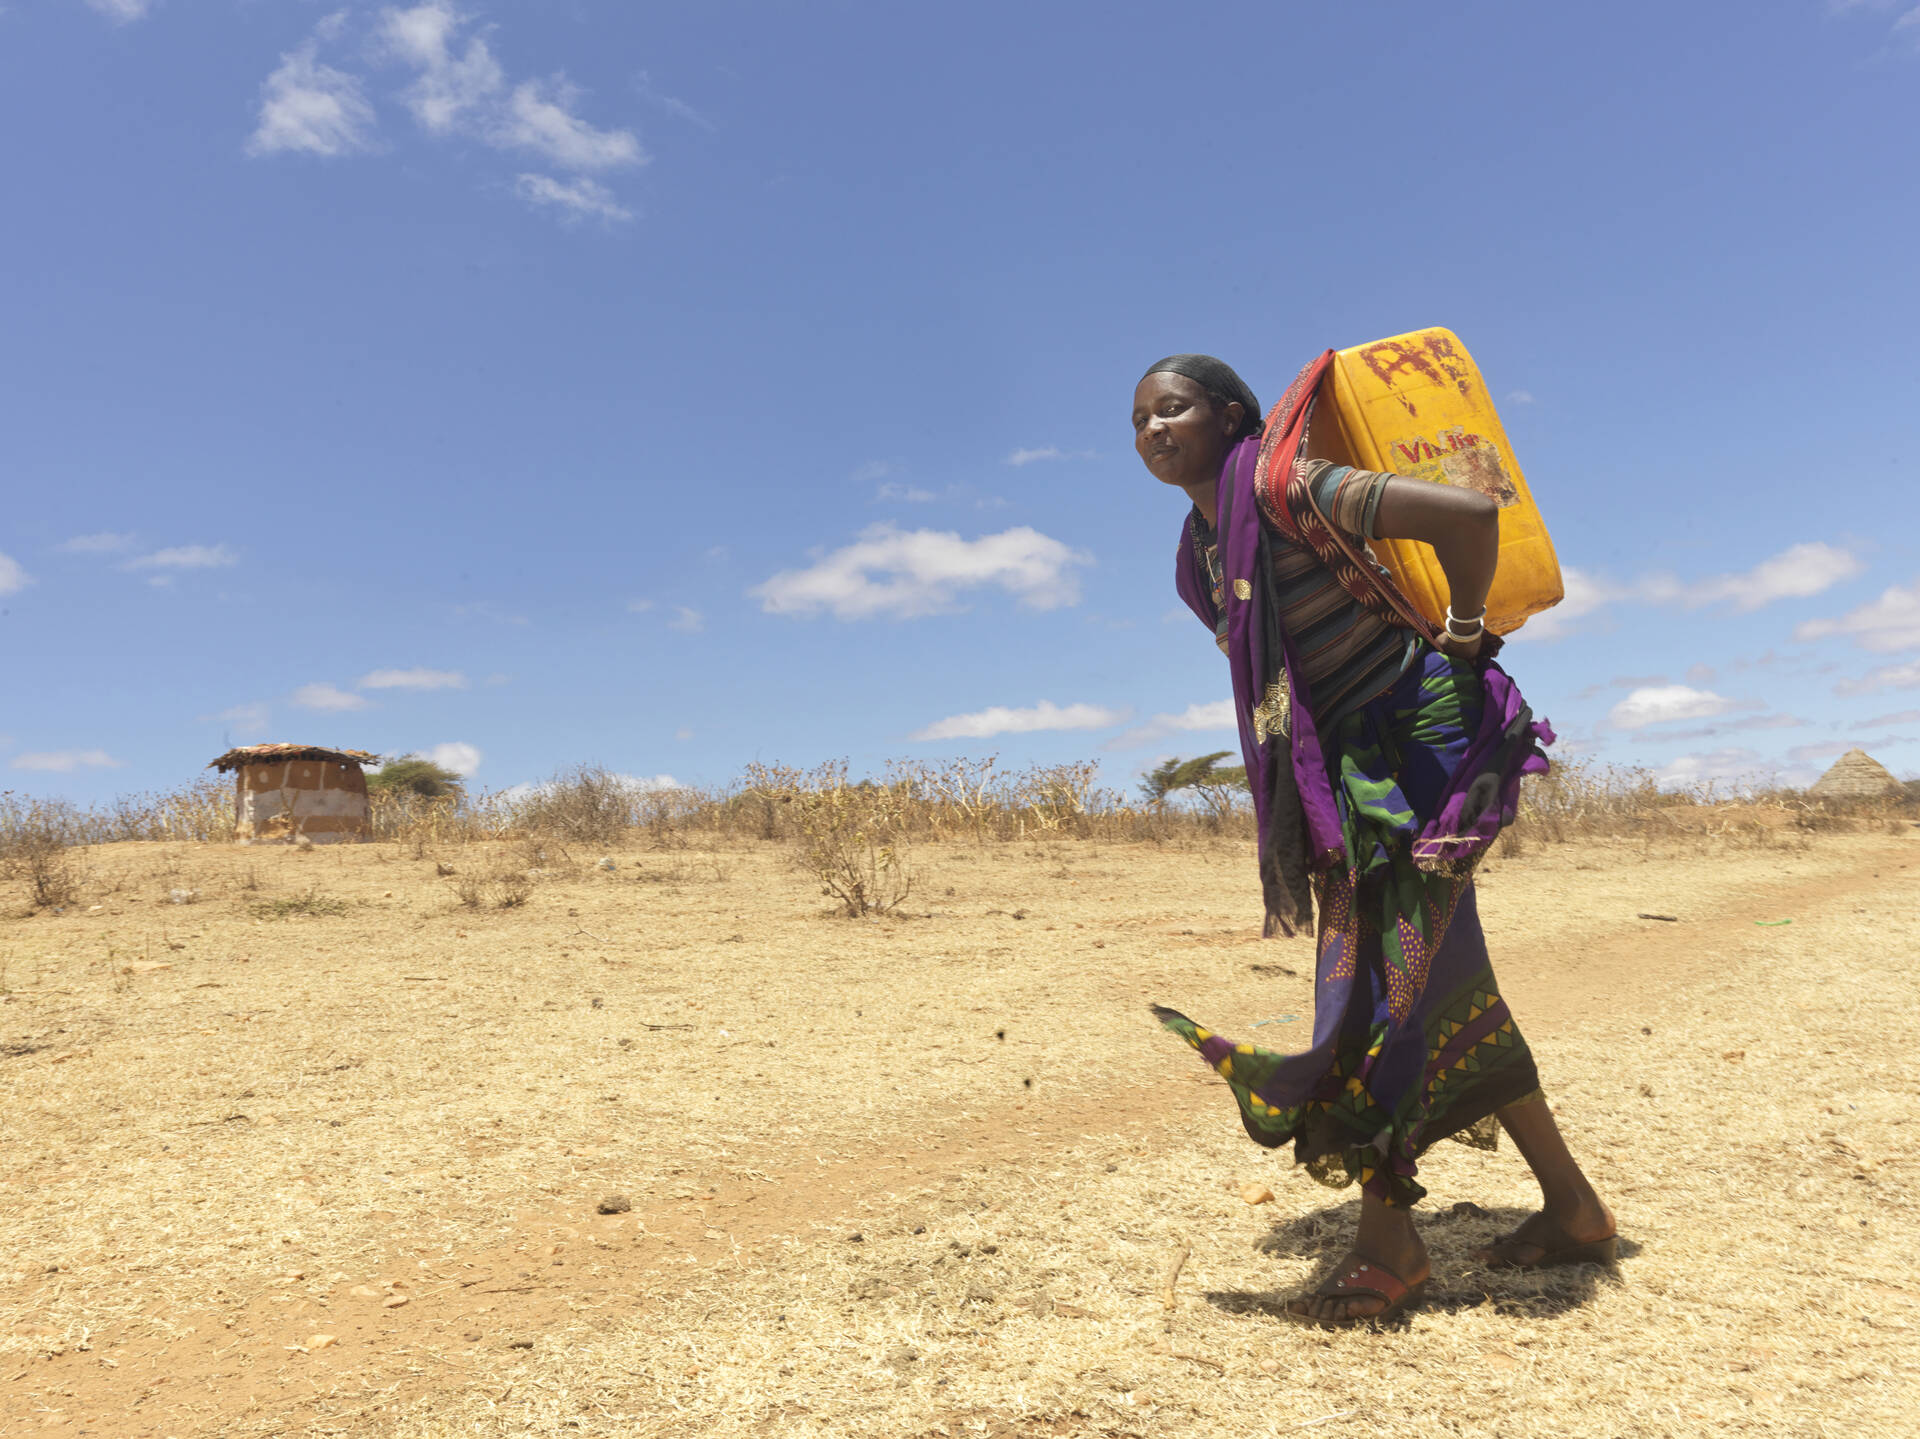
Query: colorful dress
x,y
1387,812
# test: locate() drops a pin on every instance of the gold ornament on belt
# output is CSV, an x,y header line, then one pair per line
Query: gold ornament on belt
x,y
1273,716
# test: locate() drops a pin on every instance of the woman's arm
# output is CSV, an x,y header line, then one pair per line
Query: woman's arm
x,y
1463,526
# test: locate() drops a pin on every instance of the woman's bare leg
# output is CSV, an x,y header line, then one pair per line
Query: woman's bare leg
x,y
1387,1237
1568,1198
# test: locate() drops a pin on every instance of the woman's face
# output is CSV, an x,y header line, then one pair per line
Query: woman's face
x,y
1181,438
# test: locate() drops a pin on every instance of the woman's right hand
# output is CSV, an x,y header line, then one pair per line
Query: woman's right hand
x,y
1455,648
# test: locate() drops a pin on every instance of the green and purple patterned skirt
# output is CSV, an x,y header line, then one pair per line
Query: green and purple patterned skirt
x,y
1412,1042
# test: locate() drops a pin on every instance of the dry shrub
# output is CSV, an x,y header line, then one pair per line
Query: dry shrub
x,y
201,811
37,838
588,804
706,869
502,881
955,796
311,905
931,802
852,838
1057,798
416,819
1578,799
766,792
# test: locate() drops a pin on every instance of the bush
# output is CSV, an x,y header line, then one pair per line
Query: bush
x,y
851,837
416,776
37,837
588,804
1217,789
503,884
312,904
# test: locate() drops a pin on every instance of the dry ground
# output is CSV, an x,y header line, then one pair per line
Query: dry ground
x,y
923,1176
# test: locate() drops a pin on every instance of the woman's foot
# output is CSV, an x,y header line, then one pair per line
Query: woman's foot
x,y
1387,1241
1584,1234
1362,1289
1573,1226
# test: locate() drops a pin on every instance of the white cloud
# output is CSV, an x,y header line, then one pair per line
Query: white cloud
x,y
330,698
458,87
463,759
1794,573
185,557
643,86
13,577
579,200
643,783
539,118
984,724
905,573
1886,677
1903,35
1584,595
1890,622
639,607
104,543
1047,452
312,108
1898,717
1824,749
892,491
683,733
687,620
1519,397
1213,715
122,12
249,721
66,760
1661,704
450,84
413,679
487,610
649,782
1719,766
1745,722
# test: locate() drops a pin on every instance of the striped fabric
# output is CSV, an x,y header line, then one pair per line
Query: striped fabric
x,y
1349,654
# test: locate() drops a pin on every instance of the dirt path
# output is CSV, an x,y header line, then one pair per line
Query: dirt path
x,y
432,1321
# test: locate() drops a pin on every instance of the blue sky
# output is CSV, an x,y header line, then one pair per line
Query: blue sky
x,y
673,386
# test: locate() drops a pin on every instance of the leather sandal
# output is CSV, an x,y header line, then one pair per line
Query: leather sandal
x,y
1557,1248
1357,1279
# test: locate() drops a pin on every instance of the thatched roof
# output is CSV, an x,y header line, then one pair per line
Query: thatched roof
x,y
1855,775
248,754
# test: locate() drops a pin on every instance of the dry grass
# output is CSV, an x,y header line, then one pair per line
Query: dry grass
x,y
921,802
326,1083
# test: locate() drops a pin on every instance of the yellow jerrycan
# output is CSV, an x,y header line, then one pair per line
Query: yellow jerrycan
x,y
1415,405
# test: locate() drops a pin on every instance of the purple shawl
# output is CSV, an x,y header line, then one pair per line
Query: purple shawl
x,y
1297,820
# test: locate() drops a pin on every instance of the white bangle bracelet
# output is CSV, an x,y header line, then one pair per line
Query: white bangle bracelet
x,y
1479,623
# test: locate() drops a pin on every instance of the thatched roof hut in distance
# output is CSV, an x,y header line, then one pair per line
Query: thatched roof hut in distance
x,y
286,792
1856,775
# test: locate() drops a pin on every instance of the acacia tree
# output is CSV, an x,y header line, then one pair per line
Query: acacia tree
x,y
414,775
1214,786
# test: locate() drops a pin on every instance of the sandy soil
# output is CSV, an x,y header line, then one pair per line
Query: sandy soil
x,y
322,1152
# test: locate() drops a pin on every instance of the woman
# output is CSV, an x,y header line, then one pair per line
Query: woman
x,y
1383,757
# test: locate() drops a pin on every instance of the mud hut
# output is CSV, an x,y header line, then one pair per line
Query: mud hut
x,y
286,792
1855,775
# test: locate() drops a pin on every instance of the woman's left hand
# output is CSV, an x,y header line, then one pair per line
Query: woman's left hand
x,y
1455,648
